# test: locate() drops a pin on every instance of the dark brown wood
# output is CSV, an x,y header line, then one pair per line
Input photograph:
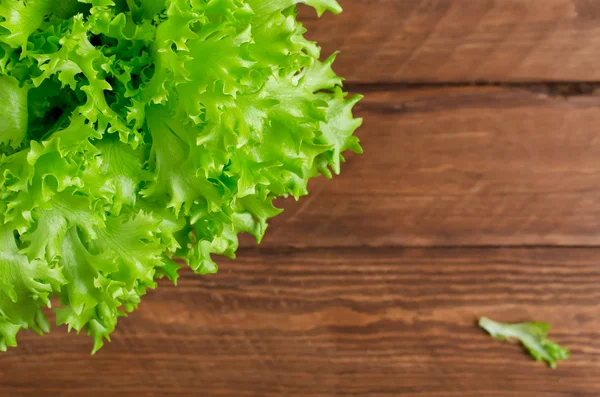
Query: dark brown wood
x,y
462,40
458,166
353,322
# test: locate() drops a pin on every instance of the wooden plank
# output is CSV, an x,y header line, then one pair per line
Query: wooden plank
x,y
462,40
450,166
381,322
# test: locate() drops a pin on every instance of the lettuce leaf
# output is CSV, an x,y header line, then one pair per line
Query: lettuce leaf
x,y
533,336
136,135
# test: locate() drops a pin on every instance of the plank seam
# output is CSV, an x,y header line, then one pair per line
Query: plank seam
x,y
552,88
288,248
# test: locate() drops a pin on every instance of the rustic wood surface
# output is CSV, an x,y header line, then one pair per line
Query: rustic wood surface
x,y
462,40
459,166
469,201
338,322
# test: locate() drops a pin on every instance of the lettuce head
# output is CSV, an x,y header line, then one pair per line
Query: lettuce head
x,y
138,135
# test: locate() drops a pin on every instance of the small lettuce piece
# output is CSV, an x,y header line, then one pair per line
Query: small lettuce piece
x,y
533,335
137,136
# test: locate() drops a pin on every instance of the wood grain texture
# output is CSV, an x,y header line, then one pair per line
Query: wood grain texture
x,y
354,322
475,166
462,40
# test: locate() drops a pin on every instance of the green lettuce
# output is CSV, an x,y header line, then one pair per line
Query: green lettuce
x,y
139,134
533,336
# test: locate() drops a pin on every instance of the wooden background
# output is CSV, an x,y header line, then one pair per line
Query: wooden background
x,y
478,194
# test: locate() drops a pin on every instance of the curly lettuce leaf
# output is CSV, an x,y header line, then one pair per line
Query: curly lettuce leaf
x,y
533,335
13,112
139,135
25,287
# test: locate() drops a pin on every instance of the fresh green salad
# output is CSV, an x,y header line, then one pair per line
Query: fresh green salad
x,y
138,134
